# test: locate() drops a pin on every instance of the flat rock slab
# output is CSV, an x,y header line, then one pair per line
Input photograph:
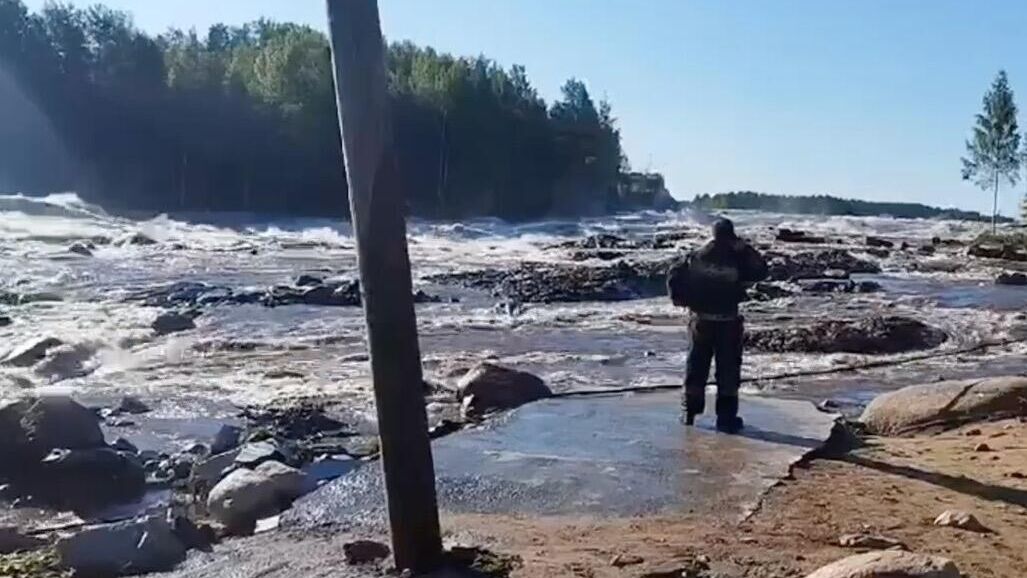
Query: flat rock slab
x,y
620,455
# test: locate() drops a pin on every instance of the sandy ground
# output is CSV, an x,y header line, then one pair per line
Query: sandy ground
x,y
890,487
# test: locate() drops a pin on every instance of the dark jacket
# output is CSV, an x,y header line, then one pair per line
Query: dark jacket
x,y
718,274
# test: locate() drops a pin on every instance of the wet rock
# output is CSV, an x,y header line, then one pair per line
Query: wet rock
x,y
601,255
30,429
5,321
839,286
365,552
246,495
13,299
940,265
812,265
489,387
945,404
295,421
879,243
308,281
180,294
1007,252
871,335
421,297
123,549
1016,279
227,438
31,352
136,239
12,541
342,293
173,322
889,564
982,447
89,479
879,253
961,520
870,542
549,283
65,362
792,236
599,241
926,249
765,291
83,249
132,405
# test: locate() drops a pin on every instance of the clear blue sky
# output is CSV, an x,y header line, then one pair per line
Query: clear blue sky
x,y
863,98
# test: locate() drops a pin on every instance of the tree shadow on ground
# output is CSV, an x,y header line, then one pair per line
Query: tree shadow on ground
x,y
960,484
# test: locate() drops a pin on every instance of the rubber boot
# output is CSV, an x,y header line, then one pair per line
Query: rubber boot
x,y
695,404
727,415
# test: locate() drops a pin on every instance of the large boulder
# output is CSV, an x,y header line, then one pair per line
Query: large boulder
x,y
489,387
889,564
946,404
87,480
246,495
31,428
123,549
871,335
52,448
173,322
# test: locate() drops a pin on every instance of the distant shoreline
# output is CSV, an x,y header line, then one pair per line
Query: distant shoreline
x,y
835,206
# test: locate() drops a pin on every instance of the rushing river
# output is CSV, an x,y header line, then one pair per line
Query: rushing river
x,y
248,354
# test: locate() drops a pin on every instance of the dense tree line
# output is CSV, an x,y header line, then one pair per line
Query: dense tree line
x,y
827,205
243,118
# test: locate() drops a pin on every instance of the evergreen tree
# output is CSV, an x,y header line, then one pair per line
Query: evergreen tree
x,y
993,151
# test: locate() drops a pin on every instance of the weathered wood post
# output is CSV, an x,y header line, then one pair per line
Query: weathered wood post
x,y
376,208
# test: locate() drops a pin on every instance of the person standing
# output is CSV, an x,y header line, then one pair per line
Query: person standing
x,y
711,283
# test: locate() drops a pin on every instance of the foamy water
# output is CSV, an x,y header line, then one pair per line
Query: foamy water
x,y
236,354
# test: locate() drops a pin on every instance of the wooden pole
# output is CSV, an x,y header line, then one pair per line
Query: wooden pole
x,y
376,208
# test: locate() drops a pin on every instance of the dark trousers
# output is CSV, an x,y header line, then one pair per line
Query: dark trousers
x,y
720,340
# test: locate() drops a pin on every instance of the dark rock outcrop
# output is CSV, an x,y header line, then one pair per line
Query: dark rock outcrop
x,y
839,286
1016,279
85,249
52,449
792,236
174,322
814,265
598,254
873,335
545,283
